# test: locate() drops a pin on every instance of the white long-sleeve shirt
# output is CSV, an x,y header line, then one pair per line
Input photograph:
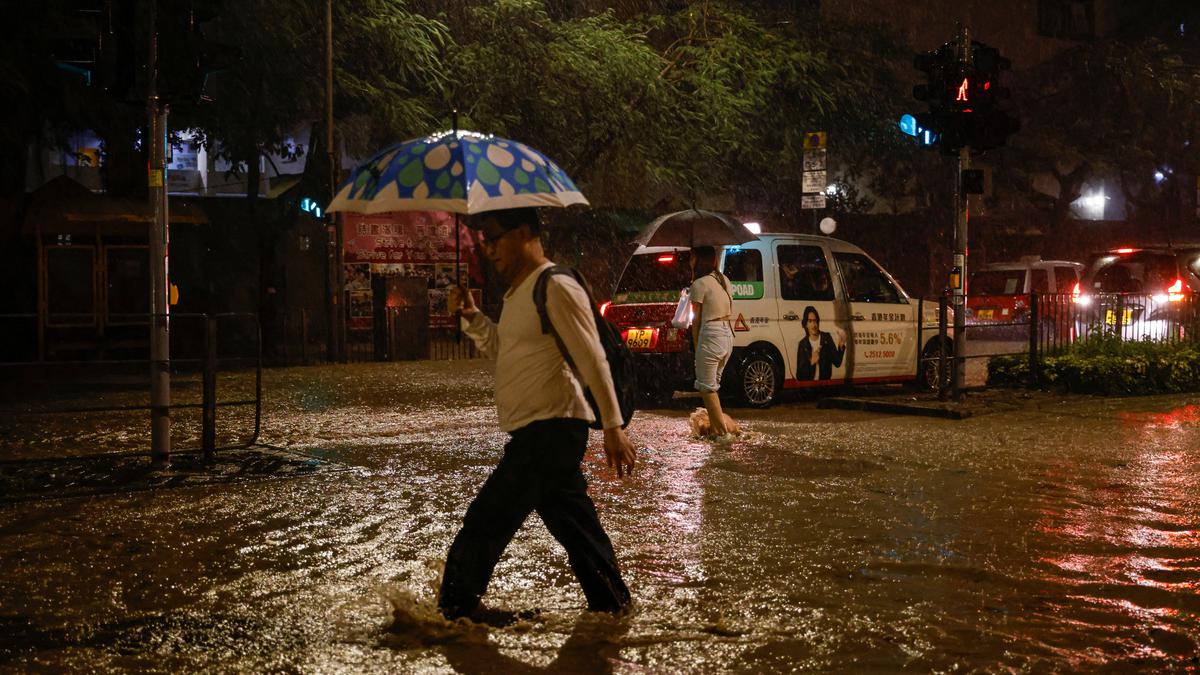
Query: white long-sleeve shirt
x,y
533,381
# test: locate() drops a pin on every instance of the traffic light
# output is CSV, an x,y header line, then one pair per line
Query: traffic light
x,y
941,68
186,55
935,64
120,62
963,98
992,125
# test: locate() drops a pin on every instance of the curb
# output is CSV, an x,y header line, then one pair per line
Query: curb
x,y
871,405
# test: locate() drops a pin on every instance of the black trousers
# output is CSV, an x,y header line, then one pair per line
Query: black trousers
x,y
539,472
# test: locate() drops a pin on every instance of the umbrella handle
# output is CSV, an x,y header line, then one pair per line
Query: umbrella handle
x,y
457,265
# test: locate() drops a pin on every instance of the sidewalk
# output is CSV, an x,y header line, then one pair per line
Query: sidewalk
x,y
971,403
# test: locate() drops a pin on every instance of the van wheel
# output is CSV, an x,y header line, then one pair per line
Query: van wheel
x,y
759,379
927,374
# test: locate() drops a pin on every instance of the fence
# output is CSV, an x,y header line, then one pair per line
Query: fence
x,y
404,334
200,345
1043,324
400,334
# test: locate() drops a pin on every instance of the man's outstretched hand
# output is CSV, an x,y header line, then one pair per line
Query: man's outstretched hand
x,y
619,451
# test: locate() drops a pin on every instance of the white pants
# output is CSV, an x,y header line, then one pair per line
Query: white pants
x,y
712,353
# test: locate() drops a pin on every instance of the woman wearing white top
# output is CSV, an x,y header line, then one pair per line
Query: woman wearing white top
x,y
712,332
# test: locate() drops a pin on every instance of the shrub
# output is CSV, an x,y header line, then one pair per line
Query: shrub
x,y
1107,365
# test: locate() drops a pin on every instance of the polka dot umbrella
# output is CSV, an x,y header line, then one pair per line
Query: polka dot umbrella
x,y
456,171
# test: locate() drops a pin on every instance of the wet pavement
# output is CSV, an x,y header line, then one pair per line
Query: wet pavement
x,y
1043,533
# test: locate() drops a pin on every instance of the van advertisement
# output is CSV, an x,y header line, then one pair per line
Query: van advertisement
x,y
881,345
746,290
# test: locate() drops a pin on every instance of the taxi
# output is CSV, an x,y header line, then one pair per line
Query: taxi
x,y
808,312
998,297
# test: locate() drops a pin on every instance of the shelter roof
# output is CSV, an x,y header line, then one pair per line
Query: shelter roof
x,y
63,206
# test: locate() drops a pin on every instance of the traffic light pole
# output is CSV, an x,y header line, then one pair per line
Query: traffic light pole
x,y
959,289
160,320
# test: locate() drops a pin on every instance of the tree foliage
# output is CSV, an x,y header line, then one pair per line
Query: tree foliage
x,y
1116,111
645,103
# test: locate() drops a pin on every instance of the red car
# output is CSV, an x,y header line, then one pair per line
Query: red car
x,y
643,306
998,297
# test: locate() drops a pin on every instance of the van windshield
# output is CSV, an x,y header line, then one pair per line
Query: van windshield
x,y
651,277
997,282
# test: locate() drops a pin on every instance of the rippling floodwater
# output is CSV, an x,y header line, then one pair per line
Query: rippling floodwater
x,y
1063,535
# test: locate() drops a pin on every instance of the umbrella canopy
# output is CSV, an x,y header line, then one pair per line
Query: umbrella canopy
x,y
694,227
456,171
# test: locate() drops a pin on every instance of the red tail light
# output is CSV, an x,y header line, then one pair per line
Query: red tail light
x,y
1124,250
666,258
1175,291
604,307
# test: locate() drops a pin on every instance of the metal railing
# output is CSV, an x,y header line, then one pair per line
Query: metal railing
x,y
1047,324
191,353
404,334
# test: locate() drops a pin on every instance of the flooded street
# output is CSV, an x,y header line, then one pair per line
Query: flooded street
x,y
1053,535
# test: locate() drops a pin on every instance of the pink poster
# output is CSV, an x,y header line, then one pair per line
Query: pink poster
x,y
415,237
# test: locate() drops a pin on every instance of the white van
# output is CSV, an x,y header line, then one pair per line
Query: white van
x,y
808,311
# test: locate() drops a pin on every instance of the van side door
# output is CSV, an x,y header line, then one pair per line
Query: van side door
x,y
753,310
882,320
814,344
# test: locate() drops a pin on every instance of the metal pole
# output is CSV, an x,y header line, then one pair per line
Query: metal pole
x,y
1034,310
457,243
208,427
333,251
941,368
960,243
160,337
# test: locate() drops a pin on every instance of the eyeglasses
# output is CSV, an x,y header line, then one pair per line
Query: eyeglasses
x,y
490,241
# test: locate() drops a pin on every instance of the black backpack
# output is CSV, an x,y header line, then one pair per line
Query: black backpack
x,y
620,359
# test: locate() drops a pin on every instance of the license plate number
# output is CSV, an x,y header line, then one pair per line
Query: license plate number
x,y
1110,317
639,339
986,313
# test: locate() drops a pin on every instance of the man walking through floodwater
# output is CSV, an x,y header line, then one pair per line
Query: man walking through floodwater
x,y
540,403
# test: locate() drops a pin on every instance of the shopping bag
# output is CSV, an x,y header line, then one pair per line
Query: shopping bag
x,y
683,311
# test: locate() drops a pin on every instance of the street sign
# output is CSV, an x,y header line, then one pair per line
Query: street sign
x,y
814,140
814,160
812,201
814,181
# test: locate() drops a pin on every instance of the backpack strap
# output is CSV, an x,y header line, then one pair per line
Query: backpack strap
x,y
539,301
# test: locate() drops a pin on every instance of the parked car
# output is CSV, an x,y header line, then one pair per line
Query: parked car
x,y
1140,293
998,302
866,329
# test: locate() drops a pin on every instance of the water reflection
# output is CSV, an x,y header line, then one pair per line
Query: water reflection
x,y
824,540
1126,539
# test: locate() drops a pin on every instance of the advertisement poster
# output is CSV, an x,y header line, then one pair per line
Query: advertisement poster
x,y
407,237
359,304
358,278
361,310
443,275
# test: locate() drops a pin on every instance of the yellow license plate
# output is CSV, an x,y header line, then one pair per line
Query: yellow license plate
x,y
639,339
1110,317
986,313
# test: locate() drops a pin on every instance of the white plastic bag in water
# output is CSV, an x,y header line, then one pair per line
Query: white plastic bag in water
x,y
683,311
